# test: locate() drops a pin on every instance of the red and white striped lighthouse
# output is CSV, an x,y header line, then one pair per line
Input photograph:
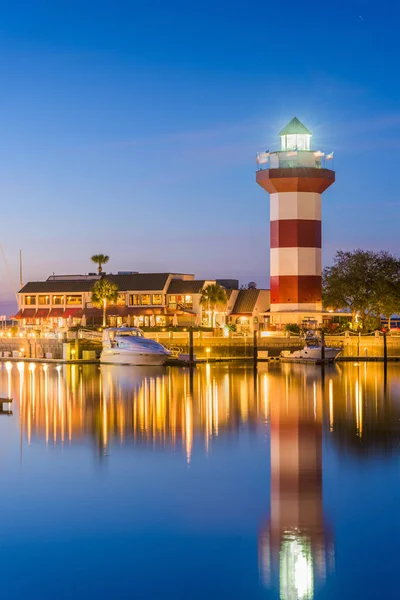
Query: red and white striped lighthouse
x,y
295,179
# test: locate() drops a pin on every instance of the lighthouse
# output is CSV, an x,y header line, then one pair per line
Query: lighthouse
x,y
295,177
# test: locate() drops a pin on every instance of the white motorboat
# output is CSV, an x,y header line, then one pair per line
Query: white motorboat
x,y
310,354
128,346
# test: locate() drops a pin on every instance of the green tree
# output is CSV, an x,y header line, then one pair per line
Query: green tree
x,y
213,296
103,293
389,287
100,260
362,281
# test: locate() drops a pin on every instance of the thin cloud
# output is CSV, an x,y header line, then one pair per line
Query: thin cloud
x,y
190,136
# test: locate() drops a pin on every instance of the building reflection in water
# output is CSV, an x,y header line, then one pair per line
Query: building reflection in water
x,y
185,410
150,406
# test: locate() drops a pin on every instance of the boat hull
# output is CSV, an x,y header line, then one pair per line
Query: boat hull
x,y
119,357
312,355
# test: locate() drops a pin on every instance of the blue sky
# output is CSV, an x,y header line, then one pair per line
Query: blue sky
x,y
131,128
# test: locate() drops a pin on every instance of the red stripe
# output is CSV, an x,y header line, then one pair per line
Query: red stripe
x,y
300,179
296,289
296,233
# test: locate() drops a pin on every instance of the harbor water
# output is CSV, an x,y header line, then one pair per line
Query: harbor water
x,y
216,482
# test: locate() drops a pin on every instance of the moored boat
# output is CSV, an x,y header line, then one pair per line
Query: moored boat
x,y
128,346
311,354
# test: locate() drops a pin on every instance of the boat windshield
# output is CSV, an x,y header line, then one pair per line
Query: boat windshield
x,y
132,333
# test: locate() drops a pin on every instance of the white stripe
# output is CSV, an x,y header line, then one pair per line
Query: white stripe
x,y
295,261
295,205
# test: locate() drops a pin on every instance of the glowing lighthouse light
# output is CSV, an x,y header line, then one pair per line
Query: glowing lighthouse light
x,y
295,177
295,136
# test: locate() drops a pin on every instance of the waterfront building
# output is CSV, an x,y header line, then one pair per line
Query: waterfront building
x,y
247,309
144,300
295,177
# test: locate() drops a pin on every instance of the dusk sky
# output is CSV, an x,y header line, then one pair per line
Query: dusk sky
x,y
131,129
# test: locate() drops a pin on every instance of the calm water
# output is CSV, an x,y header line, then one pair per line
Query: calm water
x,y
152,483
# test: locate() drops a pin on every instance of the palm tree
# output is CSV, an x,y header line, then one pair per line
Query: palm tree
x,y
213,296
104,291
100,259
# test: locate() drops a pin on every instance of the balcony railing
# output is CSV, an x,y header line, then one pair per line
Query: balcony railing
x,y
292,159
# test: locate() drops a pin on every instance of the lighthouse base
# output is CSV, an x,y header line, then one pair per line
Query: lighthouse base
x,y
306,319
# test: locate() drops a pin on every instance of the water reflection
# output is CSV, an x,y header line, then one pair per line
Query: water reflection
x,y
295,544
151,406
350,409
363,413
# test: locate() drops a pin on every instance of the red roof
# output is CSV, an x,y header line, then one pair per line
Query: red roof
x,y
28,313
56,312
41,313
72,312
18,315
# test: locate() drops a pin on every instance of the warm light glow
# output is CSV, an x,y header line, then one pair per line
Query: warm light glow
x,y
330,405
296,568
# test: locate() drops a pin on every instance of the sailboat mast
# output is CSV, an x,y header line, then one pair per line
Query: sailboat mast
x,y
20,270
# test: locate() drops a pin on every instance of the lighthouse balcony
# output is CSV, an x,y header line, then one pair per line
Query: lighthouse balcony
x,y
291,159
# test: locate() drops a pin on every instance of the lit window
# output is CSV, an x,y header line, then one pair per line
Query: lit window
x,y
291,141
172,302
121,301
157,299
57,300
71,300
44,300
145,299
134,299
29,300
188,301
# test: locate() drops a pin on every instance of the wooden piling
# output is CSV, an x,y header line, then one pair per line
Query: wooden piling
x,y
191,347
255,346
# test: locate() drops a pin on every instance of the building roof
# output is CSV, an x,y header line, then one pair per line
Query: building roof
x,y
246,301
180,286
140,282
137,282
228,284
55,287
295,126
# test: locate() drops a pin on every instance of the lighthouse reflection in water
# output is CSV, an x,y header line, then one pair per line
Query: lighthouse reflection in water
x,y
251,452
295,541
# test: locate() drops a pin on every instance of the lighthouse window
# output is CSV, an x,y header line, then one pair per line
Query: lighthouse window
x,y
301,142
291,142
